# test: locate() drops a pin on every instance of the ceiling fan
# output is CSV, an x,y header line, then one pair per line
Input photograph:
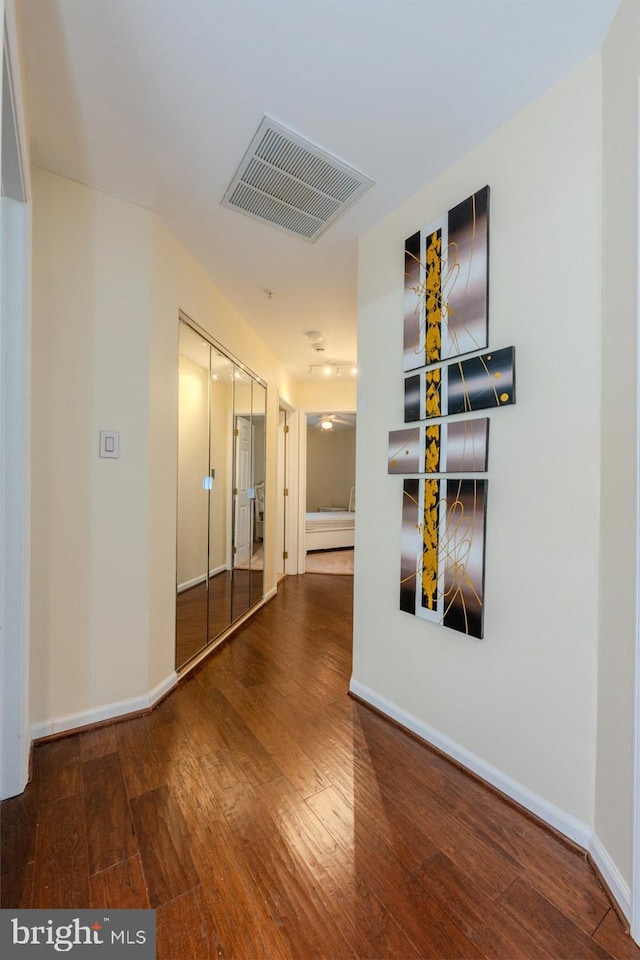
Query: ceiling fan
x,y
327,420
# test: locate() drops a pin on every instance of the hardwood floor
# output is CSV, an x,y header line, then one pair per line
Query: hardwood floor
x,y
265,814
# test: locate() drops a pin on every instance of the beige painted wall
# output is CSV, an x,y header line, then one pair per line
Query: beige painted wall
x,y
109,281
90,517
327,396
524,699
616,665
331,467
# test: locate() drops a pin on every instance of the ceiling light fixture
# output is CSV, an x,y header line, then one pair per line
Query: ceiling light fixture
x,y
330,367
326,425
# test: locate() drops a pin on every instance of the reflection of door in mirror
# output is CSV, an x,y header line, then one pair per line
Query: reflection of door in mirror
x,y
244,493
258,469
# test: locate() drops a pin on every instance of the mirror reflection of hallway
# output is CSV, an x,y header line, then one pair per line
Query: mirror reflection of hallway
x,y
248,492
330,494
221,477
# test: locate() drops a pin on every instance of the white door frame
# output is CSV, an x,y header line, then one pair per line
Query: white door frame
x,y
302,491
288,505
15,390
635,863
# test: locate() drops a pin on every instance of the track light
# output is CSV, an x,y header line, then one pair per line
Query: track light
x,y
330,367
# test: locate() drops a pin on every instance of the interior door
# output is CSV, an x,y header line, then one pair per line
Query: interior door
x,y
221,458
193,496
243,492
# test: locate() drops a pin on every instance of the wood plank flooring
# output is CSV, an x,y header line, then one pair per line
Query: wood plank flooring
x,y
265,814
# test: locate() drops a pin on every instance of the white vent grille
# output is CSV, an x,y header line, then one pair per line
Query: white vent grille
x,y
290,183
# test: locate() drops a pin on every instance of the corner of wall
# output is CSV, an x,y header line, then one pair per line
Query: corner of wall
x,y
618,533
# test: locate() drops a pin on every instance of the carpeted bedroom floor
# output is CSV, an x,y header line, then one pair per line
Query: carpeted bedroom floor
x,y
330,561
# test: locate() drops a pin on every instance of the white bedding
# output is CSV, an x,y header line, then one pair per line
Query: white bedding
x,y
328,531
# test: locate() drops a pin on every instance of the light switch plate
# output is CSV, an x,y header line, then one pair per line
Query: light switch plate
x,y
110,444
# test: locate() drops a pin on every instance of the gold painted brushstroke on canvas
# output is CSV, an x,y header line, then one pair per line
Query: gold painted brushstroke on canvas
x,y
430,523
432,380
433,298
432,449
449,316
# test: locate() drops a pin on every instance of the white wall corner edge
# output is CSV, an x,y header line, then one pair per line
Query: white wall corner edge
x,y
108,711
561,821
618,886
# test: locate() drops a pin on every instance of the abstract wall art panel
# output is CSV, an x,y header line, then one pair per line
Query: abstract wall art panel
x,y
446,285
442,552
460,447
478,383
449,370
405,454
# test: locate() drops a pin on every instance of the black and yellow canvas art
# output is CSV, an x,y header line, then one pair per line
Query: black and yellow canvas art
x,y
449,371
460,447
446,285
477,383
442,553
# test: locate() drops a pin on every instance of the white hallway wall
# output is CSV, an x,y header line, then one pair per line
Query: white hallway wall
x,y
522,702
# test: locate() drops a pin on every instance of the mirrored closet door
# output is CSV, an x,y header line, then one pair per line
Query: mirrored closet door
x,y
221,481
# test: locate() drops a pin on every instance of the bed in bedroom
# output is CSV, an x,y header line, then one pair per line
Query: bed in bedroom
x,y
331,528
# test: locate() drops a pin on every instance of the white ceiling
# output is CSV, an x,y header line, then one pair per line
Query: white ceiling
x,y
156,101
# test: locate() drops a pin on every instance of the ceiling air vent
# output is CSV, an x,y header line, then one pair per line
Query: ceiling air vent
x,y
290,183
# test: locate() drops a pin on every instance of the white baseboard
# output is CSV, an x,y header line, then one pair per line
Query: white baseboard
x,y
109,711
561,821
270,594
618,886
196,580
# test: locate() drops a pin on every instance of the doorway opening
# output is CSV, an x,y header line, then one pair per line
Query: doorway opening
x,y
330,499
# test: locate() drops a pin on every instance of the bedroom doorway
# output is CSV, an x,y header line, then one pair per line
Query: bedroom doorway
x,y
330,493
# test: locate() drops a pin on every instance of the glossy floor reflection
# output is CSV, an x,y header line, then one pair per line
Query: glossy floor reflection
x,y
229,598
265,814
